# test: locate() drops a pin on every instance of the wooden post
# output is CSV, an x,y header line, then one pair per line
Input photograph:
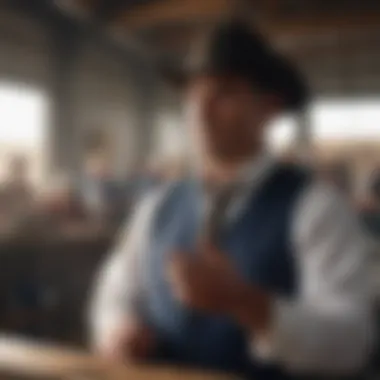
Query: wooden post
x,y
304,147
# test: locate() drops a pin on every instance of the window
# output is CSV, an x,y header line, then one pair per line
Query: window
x,y
346,120
23,127
170,139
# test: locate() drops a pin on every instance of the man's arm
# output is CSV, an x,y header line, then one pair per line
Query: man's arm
x,y
118,288
329,328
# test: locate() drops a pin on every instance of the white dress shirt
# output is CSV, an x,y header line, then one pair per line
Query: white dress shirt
x,y
328,328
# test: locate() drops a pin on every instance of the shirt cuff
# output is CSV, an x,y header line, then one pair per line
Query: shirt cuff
x,y
268,345
104,327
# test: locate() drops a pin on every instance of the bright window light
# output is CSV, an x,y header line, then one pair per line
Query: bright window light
x,y
346,120
332,120
170,139
23,126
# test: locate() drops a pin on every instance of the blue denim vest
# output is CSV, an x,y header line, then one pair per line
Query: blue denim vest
x,y
258,244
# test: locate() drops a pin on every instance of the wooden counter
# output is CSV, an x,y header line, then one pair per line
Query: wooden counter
x,y
26,358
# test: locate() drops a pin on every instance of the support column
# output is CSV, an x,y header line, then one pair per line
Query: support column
x,y
304,147
66,42
147,88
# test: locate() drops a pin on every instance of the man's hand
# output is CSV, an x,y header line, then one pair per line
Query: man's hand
x,y
132,342
208,281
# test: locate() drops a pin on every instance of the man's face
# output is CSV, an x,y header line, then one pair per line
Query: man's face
x,y
226,116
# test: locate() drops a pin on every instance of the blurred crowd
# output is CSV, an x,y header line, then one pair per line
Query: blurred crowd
x,y
98,200
53,237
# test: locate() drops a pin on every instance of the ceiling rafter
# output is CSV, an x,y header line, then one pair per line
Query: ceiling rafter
x,y
107,10
169,11
308,25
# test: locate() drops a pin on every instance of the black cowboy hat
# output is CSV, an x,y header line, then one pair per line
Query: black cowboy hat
x,y
234,48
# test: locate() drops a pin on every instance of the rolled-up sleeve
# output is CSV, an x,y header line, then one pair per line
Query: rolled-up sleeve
x,y
118,287
329,327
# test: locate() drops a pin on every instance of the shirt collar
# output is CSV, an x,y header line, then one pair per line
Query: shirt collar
x,y
255,170
250,175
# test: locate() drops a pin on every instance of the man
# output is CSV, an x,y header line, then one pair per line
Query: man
x,y
251,266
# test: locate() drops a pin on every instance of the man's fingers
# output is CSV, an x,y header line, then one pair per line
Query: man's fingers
x,y
209,251
172,270
178,266
207,244
207,248
131,342
178,272
178,260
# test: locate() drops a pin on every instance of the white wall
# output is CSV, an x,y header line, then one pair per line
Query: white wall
x,y
105,97
168,128
25,74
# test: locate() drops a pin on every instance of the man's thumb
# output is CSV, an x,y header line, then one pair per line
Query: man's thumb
x,y
209,250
